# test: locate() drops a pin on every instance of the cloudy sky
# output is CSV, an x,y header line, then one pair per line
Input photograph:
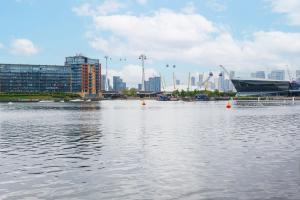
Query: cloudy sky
x,y
196,36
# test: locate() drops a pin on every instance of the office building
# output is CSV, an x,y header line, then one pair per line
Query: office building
x,y
103,78
80,75
153,84
177,82
277,75
140,87
118,84
35,78
231,76
258,74
86,75
193,81
200,79
298,75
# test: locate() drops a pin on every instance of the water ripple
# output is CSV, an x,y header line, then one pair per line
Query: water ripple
x,y
174,150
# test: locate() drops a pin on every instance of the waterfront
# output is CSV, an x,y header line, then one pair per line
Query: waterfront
x,y
165,150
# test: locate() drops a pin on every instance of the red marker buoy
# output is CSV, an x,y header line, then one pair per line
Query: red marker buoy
x,y
228,105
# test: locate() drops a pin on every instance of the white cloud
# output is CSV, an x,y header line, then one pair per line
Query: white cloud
x,y
132,74
190,8
142,2
23,47
216,5
1,46
107,7
291,8
189,37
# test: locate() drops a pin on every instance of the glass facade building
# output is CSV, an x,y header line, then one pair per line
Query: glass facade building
x,y
153,84
34,78
85,75
79,75
118,84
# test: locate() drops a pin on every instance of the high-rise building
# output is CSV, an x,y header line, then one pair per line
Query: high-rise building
x,y
103,78
277,75
298,75
258,74
200,80
177,82
140,87
153,84
226,85
80,75
231,86
109,85
118,84
193,81
86,75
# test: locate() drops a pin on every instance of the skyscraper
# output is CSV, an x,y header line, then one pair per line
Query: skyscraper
x,y
232,75
103,78
140,87
193,81
200,81
298,75
153,84
258,74
277,75
118,84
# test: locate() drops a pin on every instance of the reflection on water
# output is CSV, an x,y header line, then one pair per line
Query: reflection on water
x,y
166,150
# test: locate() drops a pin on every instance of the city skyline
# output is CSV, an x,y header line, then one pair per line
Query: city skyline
x,y
259,39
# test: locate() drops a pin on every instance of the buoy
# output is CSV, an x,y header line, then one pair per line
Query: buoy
x,y
228,105
143,103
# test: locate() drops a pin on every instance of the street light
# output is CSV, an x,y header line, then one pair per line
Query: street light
x,y
143,57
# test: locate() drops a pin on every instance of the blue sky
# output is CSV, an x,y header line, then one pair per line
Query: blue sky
x,y
197,36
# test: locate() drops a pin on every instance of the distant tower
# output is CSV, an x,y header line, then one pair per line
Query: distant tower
x,y
143,58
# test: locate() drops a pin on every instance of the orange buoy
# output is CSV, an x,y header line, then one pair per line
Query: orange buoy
x,y
143,103
228,105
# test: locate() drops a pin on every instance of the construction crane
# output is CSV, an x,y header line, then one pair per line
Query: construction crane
x,y
210,75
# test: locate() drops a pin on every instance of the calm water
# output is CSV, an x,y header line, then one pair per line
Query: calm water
x,y
166,150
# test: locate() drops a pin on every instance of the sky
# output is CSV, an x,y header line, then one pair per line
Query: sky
x,y
196,36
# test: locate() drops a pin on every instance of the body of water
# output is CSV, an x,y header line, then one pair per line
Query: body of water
x,y
165,150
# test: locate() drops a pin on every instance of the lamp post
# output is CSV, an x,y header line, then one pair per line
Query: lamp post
x,y
143,57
